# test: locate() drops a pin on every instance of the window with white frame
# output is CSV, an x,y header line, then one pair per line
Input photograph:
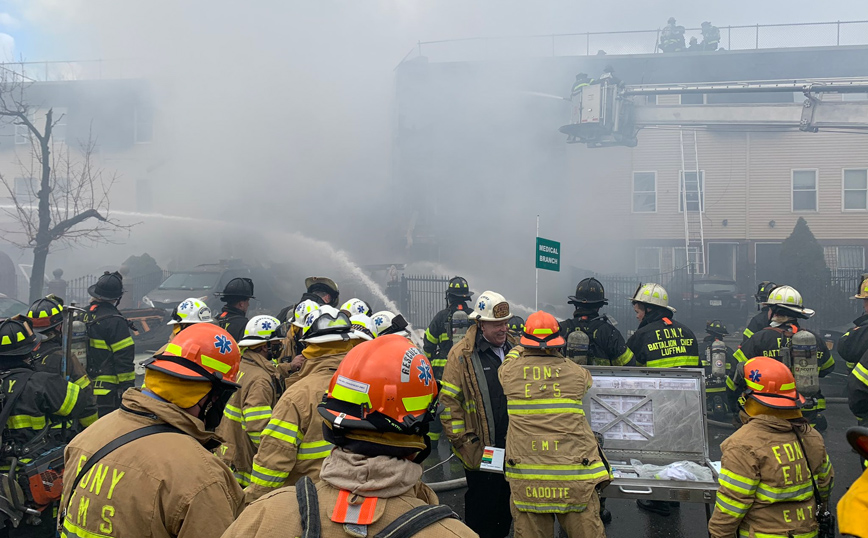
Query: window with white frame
x,y
855,189
683,257
648,260
845,257
692,190
644,192
804,190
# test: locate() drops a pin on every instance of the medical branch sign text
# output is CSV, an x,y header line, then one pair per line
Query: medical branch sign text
x,y
548,254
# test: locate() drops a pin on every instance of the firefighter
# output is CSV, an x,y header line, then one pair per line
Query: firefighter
x,y
475,416
292,443
386,323
322,290
236,296
356,306
785,308
607,347
186,314
291,359
544,394
367,482
710,36
157,476
853,506
516,326
773,467
717,397
660,341
111,349
761,320
582,80
439,337
672,37
249,410
46,317
854,343
37,399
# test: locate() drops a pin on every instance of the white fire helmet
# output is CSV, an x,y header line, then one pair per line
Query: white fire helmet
x,y
302,309
652,294
490,306
190,311
259,330
789,298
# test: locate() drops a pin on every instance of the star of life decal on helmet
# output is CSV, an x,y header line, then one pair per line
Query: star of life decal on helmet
x,y
425,373
222,344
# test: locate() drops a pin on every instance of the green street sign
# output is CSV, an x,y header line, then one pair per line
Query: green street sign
x,y
548,254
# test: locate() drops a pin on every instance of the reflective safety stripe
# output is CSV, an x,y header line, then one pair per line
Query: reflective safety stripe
x,y
431,338
82,382
828,364
557,472
799,492
20,422
285,431
674,362
552,406
469,406
98,344
257,413
315,450
243,479
70,400
444,337
438,363
263,476
450,389
730,384
850,365
738,483
74,531
254,437
730,506
747,333
446,414
743,533
711,390
354,514
88,420
625,358
232,413
108,379
457,426
548,508
123,344
740,356
126,376
434,436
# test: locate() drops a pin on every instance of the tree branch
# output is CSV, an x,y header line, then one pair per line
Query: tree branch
x,y
61,227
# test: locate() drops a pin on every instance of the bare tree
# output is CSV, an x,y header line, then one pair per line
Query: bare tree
x,y
72,200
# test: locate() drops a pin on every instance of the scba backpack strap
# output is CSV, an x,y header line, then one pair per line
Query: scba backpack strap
x,y
308,508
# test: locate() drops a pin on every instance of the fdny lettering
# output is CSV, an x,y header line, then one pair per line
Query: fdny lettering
x,y
541,446
97,481
547,493
793,453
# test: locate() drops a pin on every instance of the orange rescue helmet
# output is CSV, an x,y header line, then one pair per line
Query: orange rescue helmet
x,y
771,383
383,385
541,330
202,352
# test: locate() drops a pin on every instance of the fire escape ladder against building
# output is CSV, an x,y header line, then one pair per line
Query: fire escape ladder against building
x,y
692,201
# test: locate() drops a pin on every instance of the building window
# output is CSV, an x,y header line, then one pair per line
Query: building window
x,y
143,120
692,191
648,260
692,98
25,191
686,257
846,257
804,190
856,189
644,192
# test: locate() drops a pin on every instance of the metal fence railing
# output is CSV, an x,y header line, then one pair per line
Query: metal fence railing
x,y
54,71
420,297
134,288
745,37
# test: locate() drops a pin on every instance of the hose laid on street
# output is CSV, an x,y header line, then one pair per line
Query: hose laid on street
x,y
448,485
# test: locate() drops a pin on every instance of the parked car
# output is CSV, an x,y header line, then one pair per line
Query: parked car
x,y
719,298
10,307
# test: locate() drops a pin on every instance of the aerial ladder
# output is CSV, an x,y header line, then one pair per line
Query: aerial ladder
x,y
606,114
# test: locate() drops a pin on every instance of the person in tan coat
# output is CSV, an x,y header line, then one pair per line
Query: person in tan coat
x,y
380,403
553,463
292,445
249,409
774,468
474,414
166,483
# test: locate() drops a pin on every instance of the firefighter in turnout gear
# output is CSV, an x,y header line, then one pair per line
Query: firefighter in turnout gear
x,y
147,469
47,318
553,463
719,402
785,307
606,345
660,341
775,466
249,410
516,326
710,36
475,412
378,406
290,361
762,319
236,295
187,313
33,401
386,323
292,444
672,37
441,333
854,343
853,506
111,349
322,290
